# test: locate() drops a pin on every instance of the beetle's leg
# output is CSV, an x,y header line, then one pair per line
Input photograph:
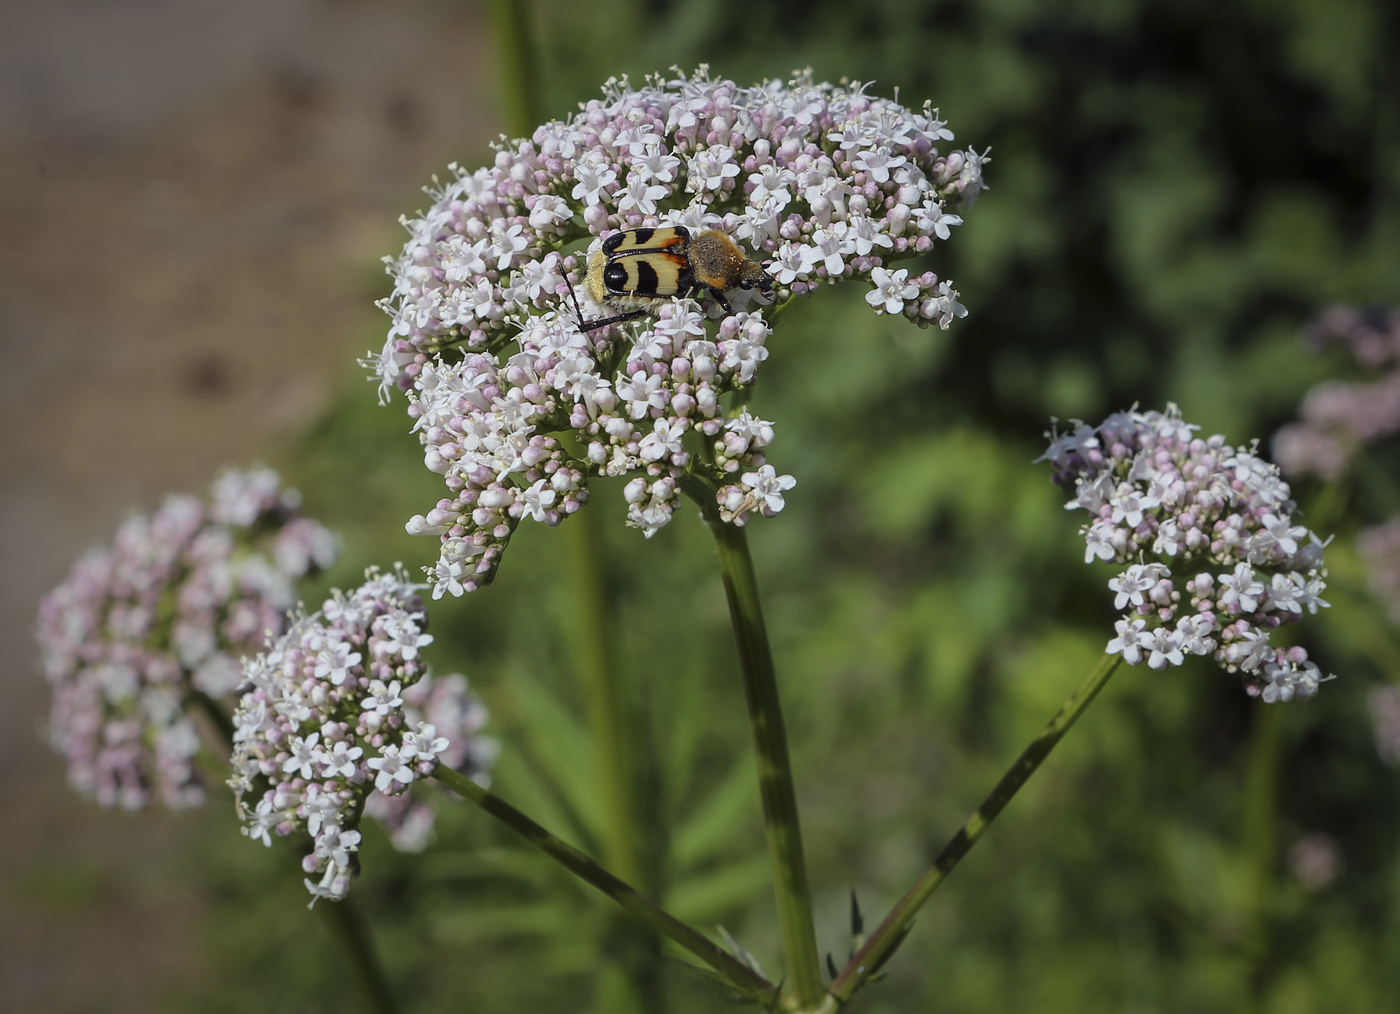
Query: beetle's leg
x,y
592,325
718,296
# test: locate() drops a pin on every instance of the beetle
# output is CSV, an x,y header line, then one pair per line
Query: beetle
x,y
637,270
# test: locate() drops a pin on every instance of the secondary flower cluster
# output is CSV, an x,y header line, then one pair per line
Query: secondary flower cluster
x,y
1214,558
821,182
341,709
168,610
1339,417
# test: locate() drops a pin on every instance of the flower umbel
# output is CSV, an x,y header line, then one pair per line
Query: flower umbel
x,y
338,718
168,610
1214,558
517,408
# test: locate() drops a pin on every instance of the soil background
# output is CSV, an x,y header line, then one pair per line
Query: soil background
x,y
194,197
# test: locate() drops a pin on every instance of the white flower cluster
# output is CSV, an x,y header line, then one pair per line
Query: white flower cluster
x,y
1215,559
135,631
339,709
822,182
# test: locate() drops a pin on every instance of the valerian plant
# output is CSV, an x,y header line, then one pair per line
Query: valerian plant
x,y
520,399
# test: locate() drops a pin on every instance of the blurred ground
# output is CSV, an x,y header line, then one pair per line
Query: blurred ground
x,y
189,191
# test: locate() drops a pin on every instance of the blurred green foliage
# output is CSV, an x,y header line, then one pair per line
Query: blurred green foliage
x,y
1177,185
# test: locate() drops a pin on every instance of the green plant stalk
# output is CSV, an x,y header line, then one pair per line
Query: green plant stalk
x,y
625,985
890,933
344,922
597,672
518,75
347,926
1259,837
734,972
770,749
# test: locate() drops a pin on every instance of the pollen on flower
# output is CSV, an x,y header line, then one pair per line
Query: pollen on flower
x,y
139,629
517,407
1213,559
339,717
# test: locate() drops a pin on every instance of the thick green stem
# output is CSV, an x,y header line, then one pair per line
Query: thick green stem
x,y
770,748
510,25
734,972
888,935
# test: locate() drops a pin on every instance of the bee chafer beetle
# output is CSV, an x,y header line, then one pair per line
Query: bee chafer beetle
x,y
638,270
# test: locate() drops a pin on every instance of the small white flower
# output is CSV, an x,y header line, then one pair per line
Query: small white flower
x,y
768,487
393,769
336,661
340,760
1165,648
306,755
336,845
423,745
664,441
710,168
892,288
1132,638
383,698
1241,589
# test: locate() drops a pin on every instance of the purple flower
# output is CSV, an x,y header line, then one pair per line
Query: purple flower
x,y
1213,559
136,630
315,743
821,182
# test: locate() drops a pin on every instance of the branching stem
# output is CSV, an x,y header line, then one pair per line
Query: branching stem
x,y
890,933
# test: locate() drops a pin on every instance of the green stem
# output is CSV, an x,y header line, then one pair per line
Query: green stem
x,y
347,926
345,923
510,25
770,749
219,718
629,982
891,932
1259,837
597,672
737,974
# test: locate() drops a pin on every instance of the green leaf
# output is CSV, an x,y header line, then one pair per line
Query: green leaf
x,y
710,830
706,895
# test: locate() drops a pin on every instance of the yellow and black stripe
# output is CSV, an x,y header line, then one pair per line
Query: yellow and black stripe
x,y
634,241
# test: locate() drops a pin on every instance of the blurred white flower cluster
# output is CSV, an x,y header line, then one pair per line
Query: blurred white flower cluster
x,y
138,629
1215,558
516,406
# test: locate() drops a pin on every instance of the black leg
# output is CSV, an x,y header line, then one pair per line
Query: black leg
x,y
592,325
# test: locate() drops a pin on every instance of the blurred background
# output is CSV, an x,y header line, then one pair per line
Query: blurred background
x,y
194,198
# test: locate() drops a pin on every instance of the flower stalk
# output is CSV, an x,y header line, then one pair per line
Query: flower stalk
x,y
770,749
597,668
890,933
733,972
348,928
344,923
633,985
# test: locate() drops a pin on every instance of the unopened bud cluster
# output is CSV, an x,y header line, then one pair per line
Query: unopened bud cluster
x,y
1214,559
339,709
138,629
517,407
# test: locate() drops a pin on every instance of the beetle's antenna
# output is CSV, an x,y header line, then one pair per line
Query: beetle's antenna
x,y
577,309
